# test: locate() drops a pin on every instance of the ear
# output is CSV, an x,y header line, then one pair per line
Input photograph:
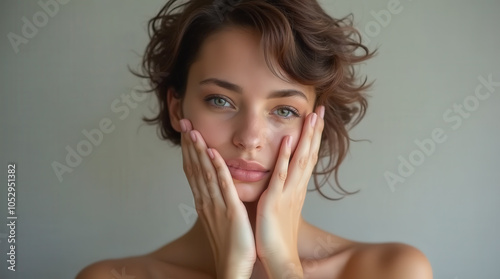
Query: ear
x,y
174,109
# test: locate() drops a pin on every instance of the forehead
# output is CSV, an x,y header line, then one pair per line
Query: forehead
x,y
231,44
235,54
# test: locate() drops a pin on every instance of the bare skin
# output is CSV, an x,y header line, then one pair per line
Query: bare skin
x,y
256,130
315,246
323,256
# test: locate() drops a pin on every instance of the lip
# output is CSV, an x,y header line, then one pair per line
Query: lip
x,y
246,171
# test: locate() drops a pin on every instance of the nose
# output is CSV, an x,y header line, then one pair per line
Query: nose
x,y
249,133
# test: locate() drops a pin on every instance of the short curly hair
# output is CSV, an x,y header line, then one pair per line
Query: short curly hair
x,y
310,46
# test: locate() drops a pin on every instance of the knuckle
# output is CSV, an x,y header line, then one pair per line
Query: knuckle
x,y
188,170
303,162
213,193
218,167
201,205
314,157
206,194
223,185
195,169
198,203
209,177
199,149
282,175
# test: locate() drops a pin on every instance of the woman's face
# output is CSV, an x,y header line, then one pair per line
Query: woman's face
x,y
241,109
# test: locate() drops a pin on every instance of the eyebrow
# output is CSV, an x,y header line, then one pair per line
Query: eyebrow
x,y
235,88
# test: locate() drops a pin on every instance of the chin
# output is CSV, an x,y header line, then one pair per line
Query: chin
x,y
248,192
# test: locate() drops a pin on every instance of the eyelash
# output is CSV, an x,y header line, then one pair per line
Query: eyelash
x,y
295,113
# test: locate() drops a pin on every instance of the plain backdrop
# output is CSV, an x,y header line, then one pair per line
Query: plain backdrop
x,y
128,195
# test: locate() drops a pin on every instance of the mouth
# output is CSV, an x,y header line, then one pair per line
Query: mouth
x,y
247,175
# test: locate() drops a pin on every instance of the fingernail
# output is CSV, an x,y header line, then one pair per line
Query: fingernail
x,y
210,153
183,126
322,112
289,141
193,136
313,119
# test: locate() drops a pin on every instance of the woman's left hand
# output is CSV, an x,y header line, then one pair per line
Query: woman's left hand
x,y
280,205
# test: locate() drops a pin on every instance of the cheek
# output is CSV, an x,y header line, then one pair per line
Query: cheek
x,y
208,128
294,132
213,132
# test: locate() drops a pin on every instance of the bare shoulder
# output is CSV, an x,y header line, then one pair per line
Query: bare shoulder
x,y
140,267
387,261
131,267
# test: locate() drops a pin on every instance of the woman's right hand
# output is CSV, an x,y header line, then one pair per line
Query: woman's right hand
x,y
222,213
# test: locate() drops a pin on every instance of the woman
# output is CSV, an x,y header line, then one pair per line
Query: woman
x,y
255,92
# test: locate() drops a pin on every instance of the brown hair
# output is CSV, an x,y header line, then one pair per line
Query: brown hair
x,y
311,47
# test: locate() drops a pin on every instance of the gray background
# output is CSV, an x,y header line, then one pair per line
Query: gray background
x,y
127,196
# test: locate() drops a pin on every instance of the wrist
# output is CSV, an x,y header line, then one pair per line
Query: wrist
x,y
235,271
233,275
283,268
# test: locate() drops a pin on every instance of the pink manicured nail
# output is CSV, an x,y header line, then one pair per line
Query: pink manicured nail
x,y
210,153
322,112
183,126
313,119
193,136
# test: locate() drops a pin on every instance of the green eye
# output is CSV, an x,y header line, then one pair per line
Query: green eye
x,y
219,101
284,112
287,112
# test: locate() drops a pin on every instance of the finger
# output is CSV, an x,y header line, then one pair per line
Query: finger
x,y
207,177
280,171
225,179
301,157
316,140
197,169
207,219
193,167
186,162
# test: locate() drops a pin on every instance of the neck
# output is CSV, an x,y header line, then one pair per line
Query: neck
x,y
198,238
197,231
198,235
252,213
